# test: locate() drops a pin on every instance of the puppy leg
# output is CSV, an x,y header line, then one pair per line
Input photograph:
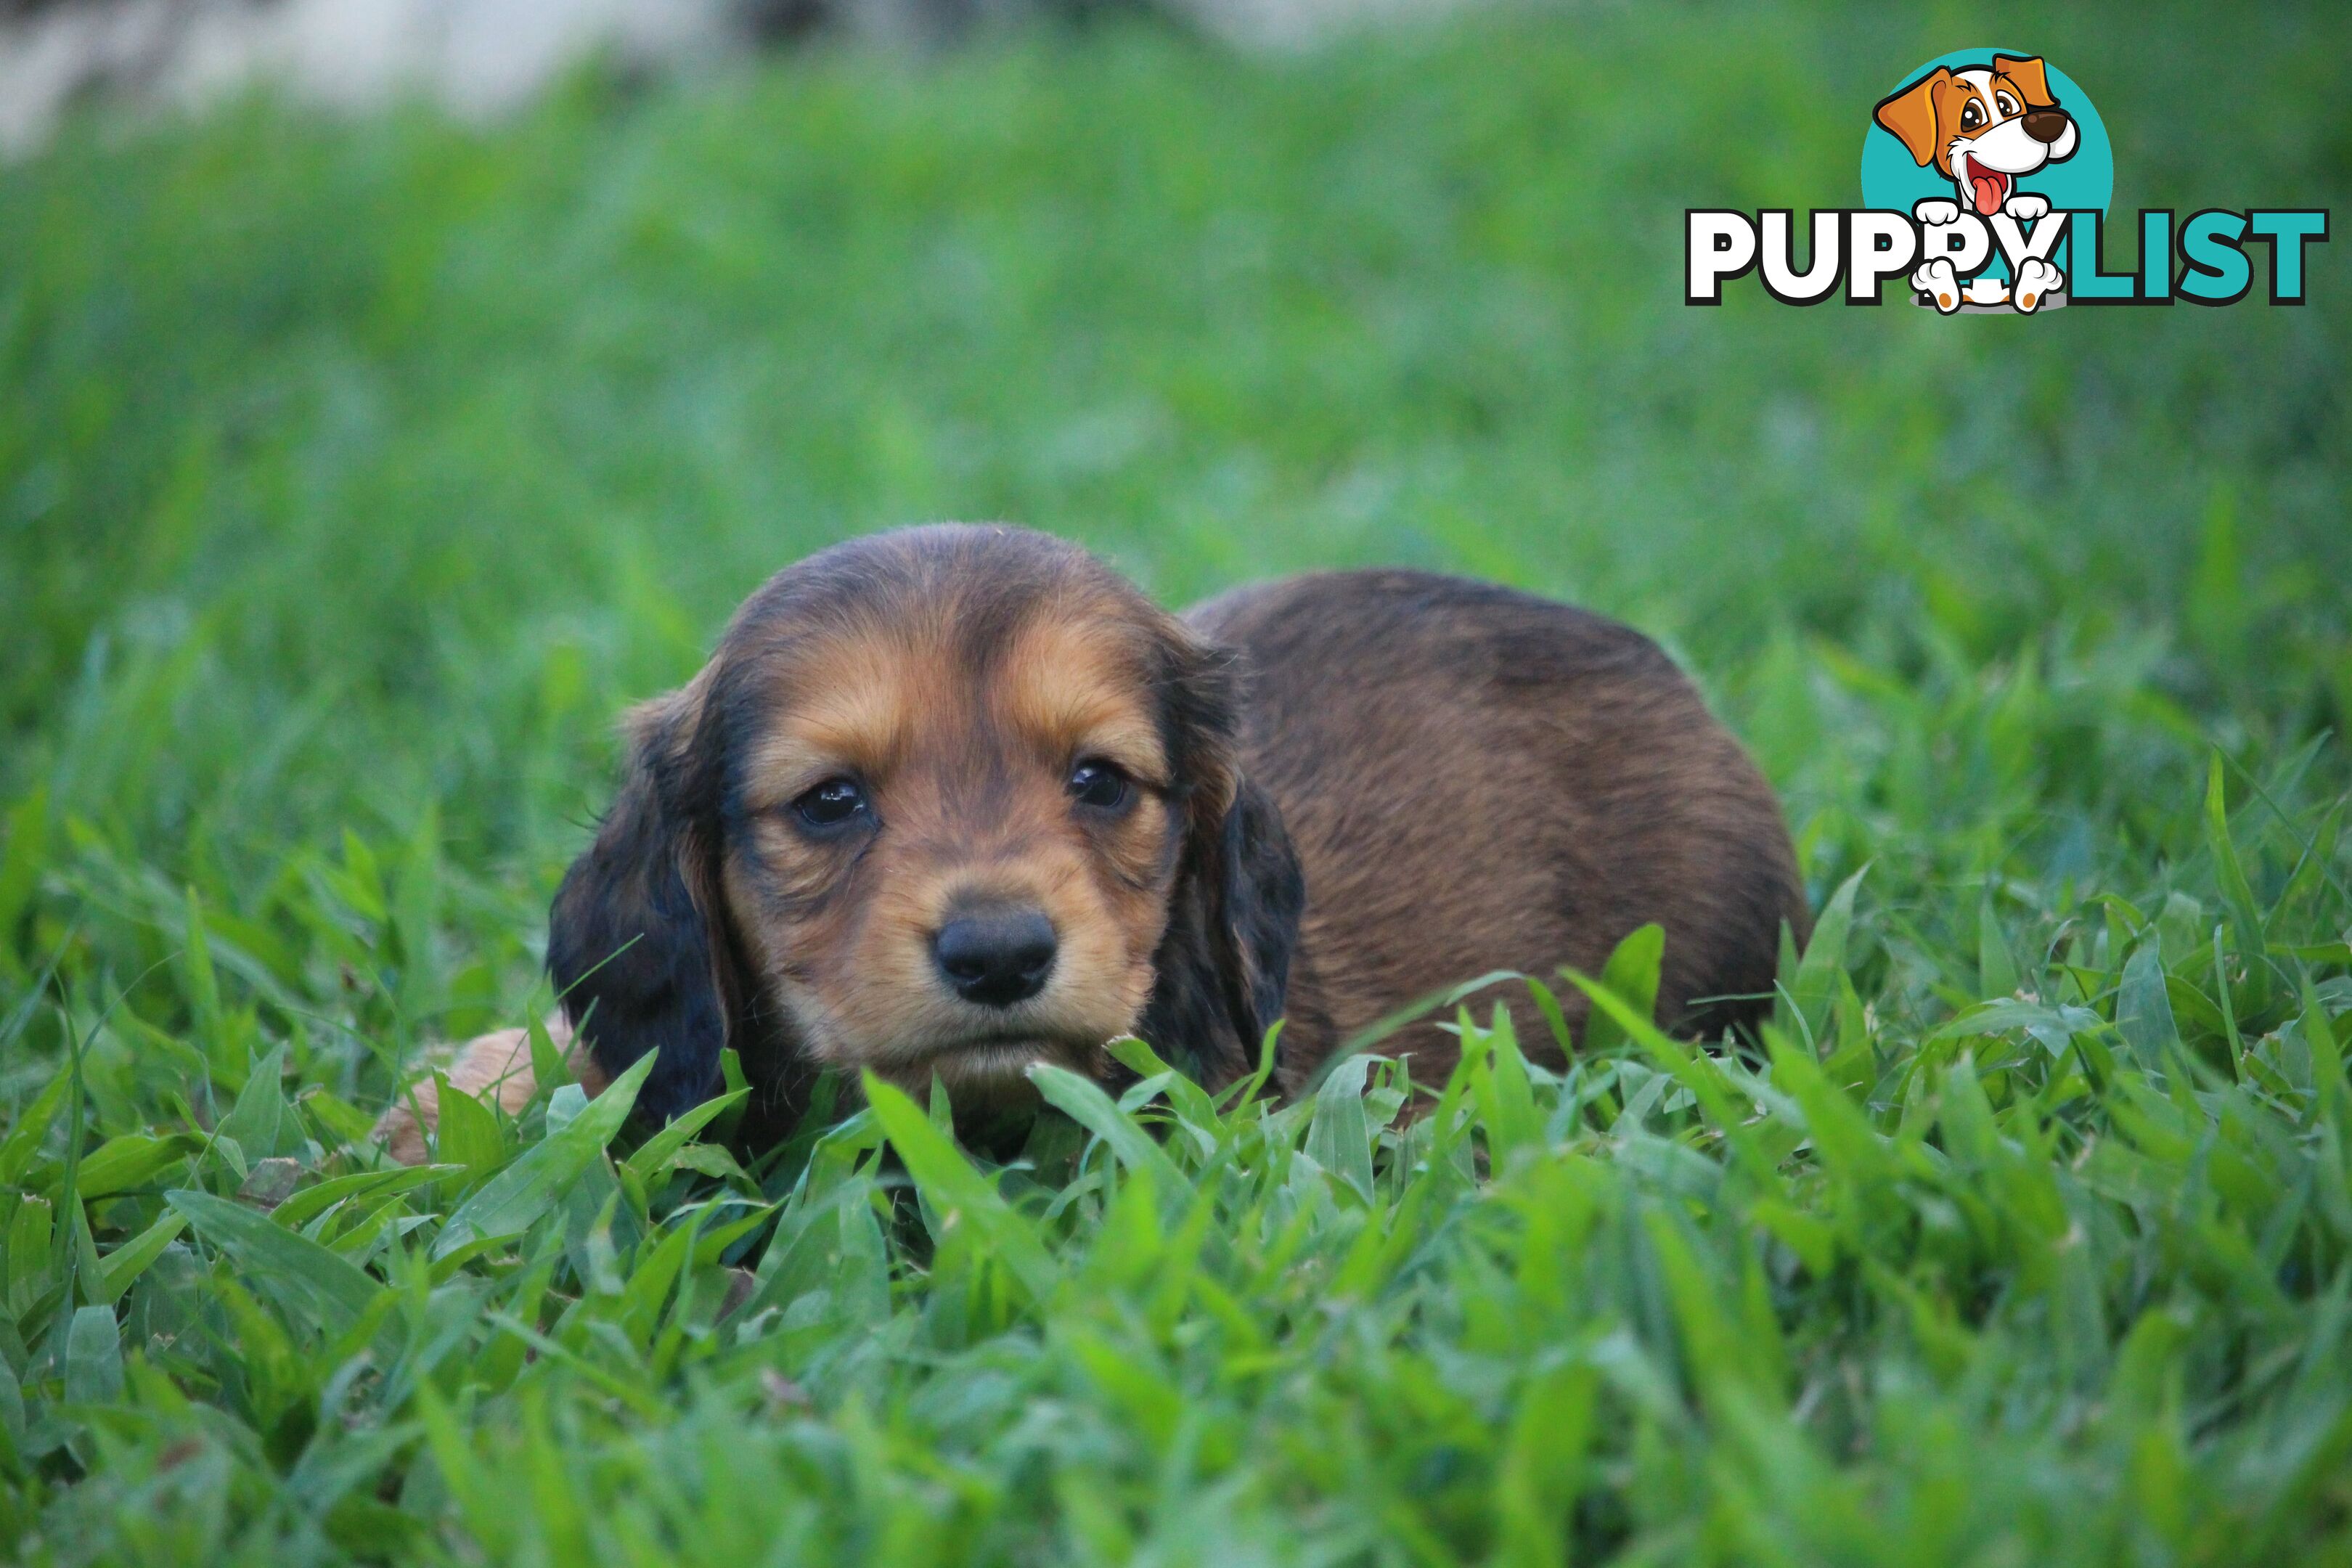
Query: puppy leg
x,y
500,1060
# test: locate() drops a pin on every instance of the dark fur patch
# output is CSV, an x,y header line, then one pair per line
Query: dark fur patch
x,y
1225,964
634,952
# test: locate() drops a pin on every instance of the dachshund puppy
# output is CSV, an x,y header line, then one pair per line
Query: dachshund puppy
x,y
955,800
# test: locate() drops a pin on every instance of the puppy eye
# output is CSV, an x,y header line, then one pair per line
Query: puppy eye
x,y
1099,784
1970,116
2006,104
830,804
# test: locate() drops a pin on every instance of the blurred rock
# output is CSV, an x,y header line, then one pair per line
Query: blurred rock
x,y
479,57
1289,23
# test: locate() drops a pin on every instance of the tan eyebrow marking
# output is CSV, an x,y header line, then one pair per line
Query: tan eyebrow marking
x,y
854,708
1071,686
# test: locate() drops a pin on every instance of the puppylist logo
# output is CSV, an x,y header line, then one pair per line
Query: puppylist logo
x,y
1986,178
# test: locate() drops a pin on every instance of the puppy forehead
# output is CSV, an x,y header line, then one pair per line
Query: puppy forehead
x,y
850,693
877,691
1070,680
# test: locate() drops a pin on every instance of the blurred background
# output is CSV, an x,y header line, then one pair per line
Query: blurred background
x,y
392,390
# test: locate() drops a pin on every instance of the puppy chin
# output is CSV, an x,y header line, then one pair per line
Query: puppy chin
x,y
982,1063
987,1075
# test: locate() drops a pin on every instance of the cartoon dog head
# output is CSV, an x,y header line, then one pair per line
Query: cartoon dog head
x,y
1982,128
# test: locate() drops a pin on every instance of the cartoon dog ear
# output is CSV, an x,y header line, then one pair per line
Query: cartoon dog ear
x,y
1223,971
1910,114
632,943
2028,74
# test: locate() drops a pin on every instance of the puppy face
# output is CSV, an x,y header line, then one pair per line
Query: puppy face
x,y
950,837
952,800
1983,128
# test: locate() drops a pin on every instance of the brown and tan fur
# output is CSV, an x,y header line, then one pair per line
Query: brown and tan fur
x,y
1343,792
1479,779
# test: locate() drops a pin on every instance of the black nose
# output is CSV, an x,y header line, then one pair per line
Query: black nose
x,y
2045,125
996,956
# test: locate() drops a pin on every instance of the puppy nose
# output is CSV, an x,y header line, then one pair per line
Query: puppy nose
x,y
2045,124
996,956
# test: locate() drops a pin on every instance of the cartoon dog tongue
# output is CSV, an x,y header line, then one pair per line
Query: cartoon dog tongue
x,y
1988,184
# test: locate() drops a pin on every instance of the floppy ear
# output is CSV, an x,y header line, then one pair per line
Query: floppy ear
x,y
1910,114
1260,893
2028,75
1223,970
637,958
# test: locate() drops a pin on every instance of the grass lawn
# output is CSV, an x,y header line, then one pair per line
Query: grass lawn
x,y
353,476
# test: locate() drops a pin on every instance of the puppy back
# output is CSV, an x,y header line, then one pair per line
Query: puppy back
x,y
1477,778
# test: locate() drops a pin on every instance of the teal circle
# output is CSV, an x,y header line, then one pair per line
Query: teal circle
x,y
1892,182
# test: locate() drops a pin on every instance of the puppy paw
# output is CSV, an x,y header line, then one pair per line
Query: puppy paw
x,y
2025,208
1936,213
1937,281
2036,280
496,1063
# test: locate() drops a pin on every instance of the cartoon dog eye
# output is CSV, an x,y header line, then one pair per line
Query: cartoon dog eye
x,y
1970,115
2006,104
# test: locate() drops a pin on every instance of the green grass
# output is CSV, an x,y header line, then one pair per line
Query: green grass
x,y
353,477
